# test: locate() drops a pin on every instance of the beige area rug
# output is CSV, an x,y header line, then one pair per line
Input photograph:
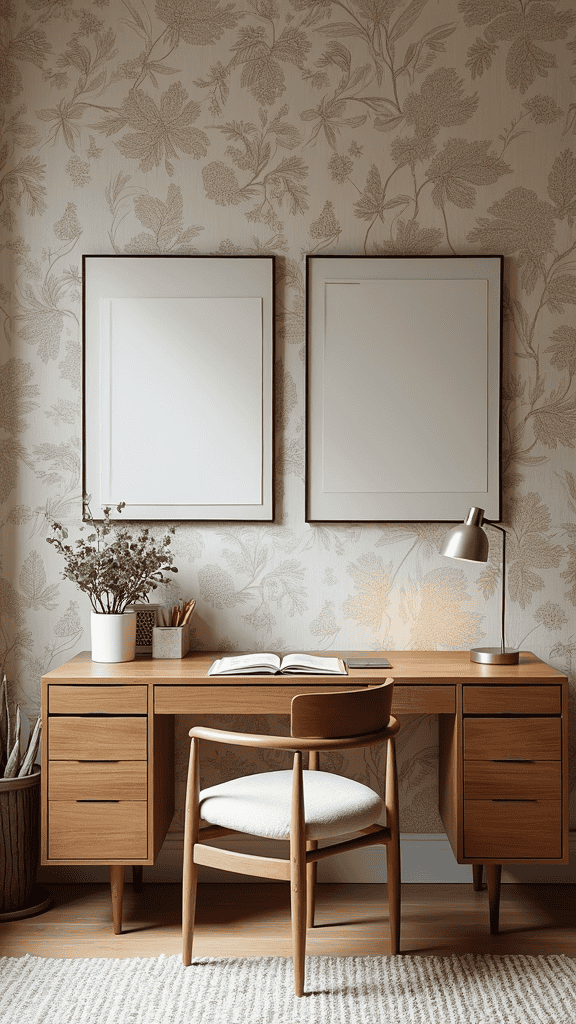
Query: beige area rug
x,y
470,989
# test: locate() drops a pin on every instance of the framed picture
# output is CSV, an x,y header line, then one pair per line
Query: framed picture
x,y
403,387
178,386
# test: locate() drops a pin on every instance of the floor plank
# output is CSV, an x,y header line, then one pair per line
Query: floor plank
x,y
254,920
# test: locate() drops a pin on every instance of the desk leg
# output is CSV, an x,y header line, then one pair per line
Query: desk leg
x,y
137,870
494,873
117,893
477,870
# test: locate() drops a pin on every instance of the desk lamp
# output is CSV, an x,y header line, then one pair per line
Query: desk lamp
x,y
468,543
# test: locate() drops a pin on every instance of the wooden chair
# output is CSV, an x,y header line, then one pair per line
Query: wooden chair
x,y
302,806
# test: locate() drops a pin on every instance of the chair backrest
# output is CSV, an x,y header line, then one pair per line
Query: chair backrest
x,y
339,715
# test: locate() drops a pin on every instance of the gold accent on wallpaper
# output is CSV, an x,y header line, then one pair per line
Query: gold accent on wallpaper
x,y
291,127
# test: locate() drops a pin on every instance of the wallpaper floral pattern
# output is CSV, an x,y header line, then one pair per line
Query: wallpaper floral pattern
x,y
293,127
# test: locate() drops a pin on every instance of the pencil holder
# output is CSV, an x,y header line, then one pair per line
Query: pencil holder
x,y
170,641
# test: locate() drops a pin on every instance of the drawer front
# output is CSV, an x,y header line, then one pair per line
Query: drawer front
x,y
422,700
230,700
507,780
97,739
508,830
531,739
235,699
515,700
84,700
97,780
97,831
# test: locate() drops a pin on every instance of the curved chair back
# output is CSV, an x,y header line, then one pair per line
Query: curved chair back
x,y
349,713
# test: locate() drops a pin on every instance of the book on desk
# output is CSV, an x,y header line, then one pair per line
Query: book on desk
x,y
271,664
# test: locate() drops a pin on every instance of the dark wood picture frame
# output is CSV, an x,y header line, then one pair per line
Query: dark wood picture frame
x,y
190,341
403,367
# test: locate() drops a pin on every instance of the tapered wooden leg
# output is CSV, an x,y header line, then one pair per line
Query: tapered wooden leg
x,y
311,872
311,869
393,849
298,876
116,872
190,869
137,871
477,871
494,875
393,872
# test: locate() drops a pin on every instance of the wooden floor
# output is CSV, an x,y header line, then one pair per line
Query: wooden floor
x,y
254,920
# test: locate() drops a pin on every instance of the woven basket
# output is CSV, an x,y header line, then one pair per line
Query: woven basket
x,y
19,840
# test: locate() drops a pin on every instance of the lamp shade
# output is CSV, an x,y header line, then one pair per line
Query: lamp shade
x,y
467,541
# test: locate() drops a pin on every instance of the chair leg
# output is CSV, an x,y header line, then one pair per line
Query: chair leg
x,y
311,869
311,873
190,869
393,849
298,876
189,889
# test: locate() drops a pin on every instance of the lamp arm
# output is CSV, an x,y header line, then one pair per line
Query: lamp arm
x,y
503,532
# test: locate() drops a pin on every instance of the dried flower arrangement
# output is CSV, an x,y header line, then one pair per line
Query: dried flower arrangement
x,y
115,567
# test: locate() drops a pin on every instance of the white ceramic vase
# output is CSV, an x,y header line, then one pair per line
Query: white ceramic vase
x,y
113,637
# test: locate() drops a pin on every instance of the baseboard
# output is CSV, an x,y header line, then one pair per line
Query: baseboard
x,y
425,858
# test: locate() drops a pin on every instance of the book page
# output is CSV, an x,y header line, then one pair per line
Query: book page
x,y
245,664
309,663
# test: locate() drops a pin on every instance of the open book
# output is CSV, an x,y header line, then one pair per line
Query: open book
x,y
271,665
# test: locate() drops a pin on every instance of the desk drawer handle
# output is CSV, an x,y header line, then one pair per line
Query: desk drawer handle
x,y
502,800
98,801
94,761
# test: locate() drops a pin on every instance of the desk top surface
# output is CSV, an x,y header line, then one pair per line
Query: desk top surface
x,y
416,667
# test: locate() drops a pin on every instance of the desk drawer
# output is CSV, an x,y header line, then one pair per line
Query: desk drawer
x,y
423,700
97,739
97,780
511,829
515,700
85,700
509,780
239,699
97,831
510,739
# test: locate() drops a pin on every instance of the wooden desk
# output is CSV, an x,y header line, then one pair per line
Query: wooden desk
x,y
108,757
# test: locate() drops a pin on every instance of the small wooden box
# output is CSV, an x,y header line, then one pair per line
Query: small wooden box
x,y
170,641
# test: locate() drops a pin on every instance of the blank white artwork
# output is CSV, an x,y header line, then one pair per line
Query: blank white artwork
x,y
416,375
403,378
181,391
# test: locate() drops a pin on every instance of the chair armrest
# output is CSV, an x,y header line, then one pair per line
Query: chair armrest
x,y
248,739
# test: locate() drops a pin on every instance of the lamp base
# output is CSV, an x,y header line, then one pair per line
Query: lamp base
x,y
495,656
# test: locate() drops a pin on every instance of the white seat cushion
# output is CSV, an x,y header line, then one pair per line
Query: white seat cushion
x,y
260,804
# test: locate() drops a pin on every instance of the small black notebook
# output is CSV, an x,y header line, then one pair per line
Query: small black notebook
x,y
367,662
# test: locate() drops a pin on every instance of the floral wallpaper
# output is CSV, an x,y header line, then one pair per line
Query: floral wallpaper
x,y
293,127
